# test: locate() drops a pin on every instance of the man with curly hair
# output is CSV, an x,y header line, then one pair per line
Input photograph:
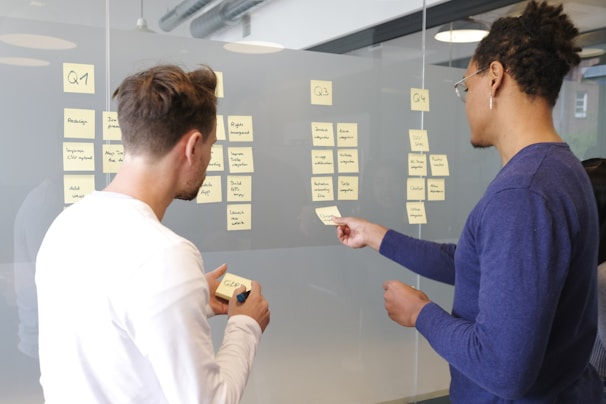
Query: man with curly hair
x,y
523,321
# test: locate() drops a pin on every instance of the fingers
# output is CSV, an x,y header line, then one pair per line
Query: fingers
x,y
219,271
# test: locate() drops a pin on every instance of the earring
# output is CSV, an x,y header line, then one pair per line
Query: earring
x,y
490,101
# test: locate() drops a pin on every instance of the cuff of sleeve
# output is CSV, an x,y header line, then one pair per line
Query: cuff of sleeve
x,y
246,324
209,311
427,317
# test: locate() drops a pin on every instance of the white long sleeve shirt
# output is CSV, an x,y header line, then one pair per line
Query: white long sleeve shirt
x,y
123,312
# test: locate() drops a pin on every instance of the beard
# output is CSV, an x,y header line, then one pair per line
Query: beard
x,y
187,195
191,193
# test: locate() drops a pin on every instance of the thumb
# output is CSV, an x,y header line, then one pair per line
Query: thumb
x,y
219,271
338,220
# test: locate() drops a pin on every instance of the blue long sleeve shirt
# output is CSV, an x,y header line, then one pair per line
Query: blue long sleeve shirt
x,y
524,314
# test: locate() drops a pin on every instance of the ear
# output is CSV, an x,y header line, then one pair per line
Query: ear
x,y
191,140
496,71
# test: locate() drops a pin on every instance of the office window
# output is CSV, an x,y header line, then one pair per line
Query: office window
x,y
580,105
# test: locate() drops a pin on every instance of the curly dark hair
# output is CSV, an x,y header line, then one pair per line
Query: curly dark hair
x,y
536,49
156,107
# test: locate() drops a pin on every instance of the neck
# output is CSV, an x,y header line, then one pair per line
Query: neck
x,y
148,181
533,124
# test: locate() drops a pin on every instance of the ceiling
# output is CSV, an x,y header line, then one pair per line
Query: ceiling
x,y
316,24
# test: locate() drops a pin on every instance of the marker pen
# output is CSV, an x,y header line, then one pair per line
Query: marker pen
x,y
242,296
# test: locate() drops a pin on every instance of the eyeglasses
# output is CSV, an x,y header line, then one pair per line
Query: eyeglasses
x,y
461,88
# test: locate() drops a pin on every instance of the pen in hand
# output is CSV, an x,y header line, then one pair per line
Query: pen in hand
x,y
242,296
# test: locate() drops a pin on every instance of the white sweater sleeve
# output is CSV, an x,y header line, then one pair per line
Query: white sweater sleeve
x,y
172,330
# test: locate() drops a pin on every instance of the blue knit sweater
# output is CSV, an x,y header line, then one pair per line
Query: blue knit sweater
x,y
524,313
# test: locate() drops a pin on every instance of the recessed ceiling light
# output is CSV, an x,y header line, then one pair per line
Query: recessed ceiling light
x,y
462,31
17,61
591,52
37,41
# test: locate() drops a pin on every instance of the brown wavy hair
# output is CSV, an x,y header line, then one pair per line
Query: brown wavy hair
x,y
156,107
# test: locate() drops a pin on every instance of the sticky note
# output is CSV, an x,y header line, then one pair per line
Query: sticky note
x,y
78,78
439,165
219,89
347,189
419,99
240,159
79,123
220,128
113,156
211,190
415,188
322,189
436,191
239,188
416,213
347,134
322,134
229,283
78,156
239,217
322,161
326,213
418,140
321,92
240,128
111,126
76,187
347,160
417,164
216,158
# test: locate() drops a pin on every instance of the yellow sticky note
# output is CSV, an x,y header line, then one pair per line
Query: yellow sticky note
x,y
322,189
415,189
321,92
111,127
439,165
322,162
418,140
326,213
436,191
220,128
347,160
416,213
79,123
78,156
239,188
417,164
347,134
240,159
239,217
322,134
419,99
229,283
113,156
78,78
211,190
216,159
347,188
219,89
240,128
76,187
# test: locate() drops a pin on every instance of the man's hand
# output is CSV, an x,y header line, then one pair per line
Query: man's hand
x,y
403,302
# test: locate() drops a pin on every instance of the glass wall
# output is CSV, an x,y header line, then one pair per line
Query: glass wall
x,y
330,340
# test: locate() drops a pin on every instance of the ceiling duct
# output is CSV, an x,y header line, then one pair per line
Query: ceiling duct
x,y
226,13
180,13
